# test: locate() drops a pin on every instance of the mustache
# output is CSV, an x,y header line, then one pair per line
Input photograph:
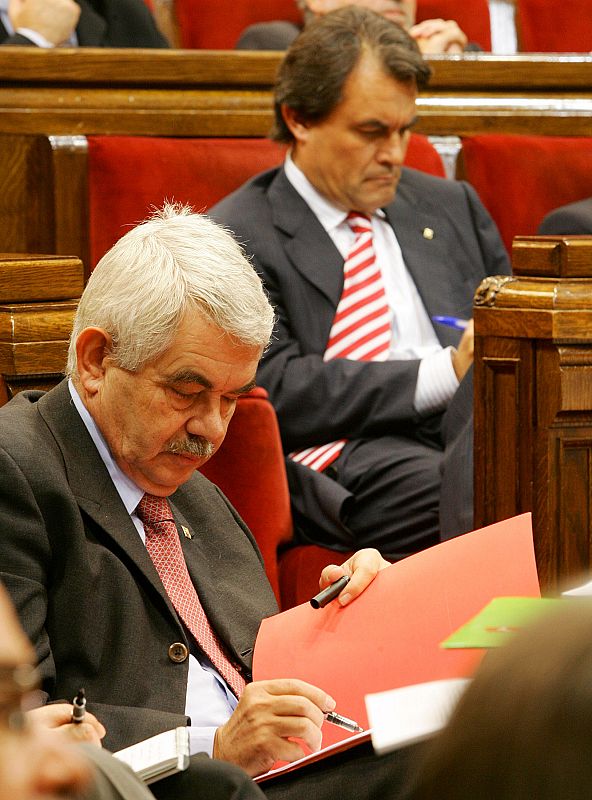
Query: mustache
x,y
197,446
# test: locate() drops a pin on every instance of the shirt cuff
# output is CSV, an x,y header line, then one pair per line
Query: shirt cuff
x,y
201,740
35,37
436,383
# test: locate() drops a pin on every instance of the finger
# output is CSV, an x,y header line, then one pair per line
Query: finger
x,y
363,567
80,732
295,706
291,686
301,728
330,574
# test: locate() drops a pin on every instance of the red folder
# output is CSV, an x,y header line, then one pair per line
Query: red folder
x,y
390,636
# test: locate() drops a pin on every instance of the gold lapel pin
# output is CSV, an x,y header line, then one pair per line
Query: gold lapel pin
x,y
186,532
428,233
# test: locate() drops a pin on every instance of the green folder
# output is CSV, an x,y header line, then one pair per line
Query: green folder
x,y
501,619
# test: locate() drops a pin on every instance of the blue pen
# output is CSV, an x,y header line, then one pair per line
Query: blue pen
x,y
452,322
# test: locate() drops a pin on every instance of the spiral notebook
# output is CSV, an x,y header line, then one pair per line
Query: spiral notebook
x,y
159,756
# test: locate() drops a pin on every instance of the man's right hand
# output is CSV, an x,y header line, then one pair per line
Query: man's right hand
x,y
55,20
270,715
462,357
57,717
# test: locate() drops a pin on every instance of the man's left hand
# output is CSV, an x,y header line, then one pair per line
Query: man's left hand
x,y
362,568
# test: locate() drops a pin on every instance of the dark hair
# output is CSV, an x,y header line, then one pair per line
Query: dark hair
x,y
311,76
523,728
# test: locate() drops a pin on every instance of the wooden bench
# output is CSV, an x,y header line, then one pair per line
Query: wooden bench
x,y
51,102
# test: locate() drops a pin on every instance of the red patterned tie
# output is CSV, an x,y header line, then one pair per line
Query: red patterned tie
x,y
361,330
164,547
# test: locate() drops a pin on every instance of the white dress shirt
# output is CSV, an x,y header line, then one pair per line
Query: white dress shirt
x,y
413,335
209,701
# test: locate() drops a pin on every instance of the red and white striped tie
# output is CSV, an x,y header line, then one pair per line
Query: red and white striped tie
x,y
361,330
164,547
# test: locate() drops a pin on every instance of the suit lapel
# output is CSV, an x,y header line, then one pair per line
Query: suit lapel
x,y
91,483
91,28
307,244
418,228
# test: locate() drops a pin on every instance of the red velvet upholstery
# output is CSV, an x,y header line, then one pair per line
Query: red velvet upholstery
x,y
217,24
471,15
522,178
130,175
551,27
249,468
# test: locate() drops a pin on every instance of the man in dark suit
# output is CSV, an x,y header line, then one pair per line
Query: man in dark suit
x,y
345,102
574,218
153,604
432,35
87,23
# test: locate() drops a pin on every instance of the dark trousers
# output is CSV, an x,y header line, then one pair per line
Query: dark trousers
x,y
356,773
400,492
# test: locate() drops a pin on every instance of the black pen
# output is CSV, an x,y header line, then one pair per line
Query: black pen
x,y
330,593
79,707
343,722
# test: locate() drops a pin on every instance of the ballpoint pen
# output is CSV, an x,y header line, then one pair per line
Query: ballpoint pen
x,y
343,722
79,707
329,593
451,322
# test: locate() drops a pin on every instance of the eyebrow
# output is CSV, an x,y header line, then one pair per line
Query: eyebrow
x,y
189,376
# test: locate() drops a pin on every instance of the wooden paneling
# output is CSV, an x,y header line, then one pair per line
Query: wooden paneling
x,y
224,93
533,401
34,332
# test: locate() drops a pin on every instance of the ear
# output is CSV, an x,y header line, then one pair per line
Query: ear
x,y
93,350
297,126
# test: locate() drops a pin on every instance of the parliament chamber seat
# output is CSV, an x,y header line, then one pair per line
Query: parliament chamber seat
x,y
548,27
521,178
472,17
129,176
217,24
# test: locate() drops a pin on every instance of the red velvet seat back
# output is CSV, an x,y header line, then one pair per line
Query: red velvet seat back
x,y
217,24
471,15
551,27
522,178
130,175
249,468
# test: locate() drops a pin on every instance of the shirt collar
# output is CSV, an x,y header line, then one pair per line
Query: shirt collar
x,y
328,214
130,493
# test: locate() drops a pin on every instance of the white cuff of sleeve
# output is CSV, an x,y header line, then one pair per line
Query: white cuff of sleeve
x,y
35,37
436,383
201,740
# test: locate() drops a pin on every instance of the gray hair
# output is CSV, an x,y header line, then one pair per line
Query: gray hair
x,y
142,287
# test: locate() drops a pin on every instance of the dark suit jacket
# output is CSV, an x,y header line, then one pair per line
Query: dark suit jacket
x,y
574,218
109,23
85,588
319,401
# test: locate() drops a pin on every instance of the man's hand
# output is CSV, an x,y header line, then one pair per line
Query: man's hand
x,y
362,568
55,20
274,721
462,357
57,717
438,36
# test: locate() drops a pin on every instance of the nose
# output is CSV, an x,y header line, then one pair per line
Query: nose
x,y
392,150
209,418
